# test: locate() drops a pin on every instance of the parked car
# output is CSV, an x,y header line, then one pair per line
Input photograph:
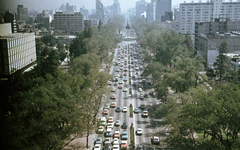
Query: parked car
x,y
124,125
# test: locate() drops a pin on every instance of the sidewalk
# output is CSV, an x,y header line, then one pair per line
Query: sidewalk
x,y
80,143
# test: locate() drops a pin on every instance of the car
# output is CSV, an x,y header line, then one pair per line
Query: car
x,y
110,119
134,83
125,74
141,67
107,141
136,110
110,125
117,123
155,139
140,85
100,129
115,141
108,134
141,96
113,104
115,83
117,70
109,129
116,79
113,89
105,111
124,135
145,114
139,147
121,65
120,82
116,134
113,96
149,82
121,76
109,82
151,92
146,95
124,125
133,76
120,86
124,109
142,106
125,89
107,106
107,147
118,109
139,89
125,69
136,68
97,147
115,147
98,140
132,66
124,144
139,131
137,73
121,68
125,79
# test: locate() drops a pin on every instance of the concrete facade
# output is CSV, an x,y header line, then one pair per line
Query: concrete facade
x,y
22,13
162,6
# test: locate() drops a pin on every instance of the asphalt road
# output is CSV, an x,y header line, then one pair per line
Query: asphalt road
x,y
150,125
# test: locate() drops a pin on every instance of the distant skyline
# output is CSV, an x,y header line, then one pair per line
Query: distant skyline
x,y
39,5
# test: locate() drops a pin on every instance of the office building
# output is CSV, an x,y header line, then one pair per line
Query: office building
x,y
150,14
167,17
85,13
162,6
207,43
141,7
99,10
22,13
18,50
11,18
71,8
116,10
206,12
69,21
210,28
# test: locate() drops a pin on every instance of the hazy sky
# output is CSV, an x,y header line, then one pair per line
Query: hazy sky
x,y
39,5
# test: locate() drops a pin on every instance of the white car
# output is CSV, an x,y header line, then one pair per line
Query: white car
x,y
100,129
124,109
139,131
107,141
140,89
115,141
97,147
109,129
110,125
120,82
115,147
125,89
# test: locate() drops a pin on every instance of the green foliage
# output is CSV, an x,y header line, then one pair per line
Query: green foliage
x,y
47,39
40,46
131,110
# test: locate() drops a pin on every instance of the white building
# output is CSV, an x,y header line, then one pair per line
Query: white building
x,y
206,12
17,50
69,21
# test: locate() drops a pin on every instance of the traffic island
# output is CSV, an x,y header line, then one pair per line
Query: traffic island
x,y
131,110
132,137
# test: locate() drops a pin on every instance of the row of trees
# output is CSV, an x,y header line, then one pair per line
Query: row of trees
x,y
46,108
198,118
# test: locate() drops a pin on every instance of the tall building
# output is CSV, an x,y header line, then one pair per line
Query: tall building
x,y
162,6
71,8
17,50
11,18
22,13
150,14
84,12
116,10
206,12
99,10
141,7
69,21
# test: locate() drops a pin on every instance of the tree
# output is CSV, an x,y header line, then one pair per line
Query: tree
x,y
47,39
222,61
212,115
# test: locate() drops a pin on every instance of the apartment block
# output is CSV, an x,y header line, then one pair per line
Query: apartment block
x,y
22,13
17,50
11,18
69,21
206,12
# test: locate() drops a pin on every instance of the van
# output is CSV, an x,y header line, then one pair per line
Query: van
x,y
103,121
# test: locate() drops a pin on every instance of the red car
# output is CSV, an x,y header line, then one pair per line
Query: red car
x,y
105,111
113,104
110,119
120,86
109,82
